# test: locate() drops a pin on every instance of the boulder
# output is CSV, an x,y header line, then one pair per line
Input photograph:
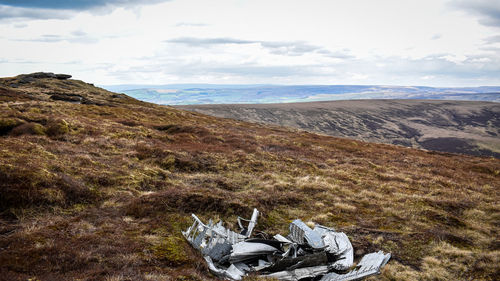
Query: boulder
x,y
40,75
63,76
73,98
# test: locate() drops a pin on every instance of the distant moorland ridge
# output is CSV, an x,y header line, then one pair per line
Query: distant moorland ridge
x,y
183,94
468,127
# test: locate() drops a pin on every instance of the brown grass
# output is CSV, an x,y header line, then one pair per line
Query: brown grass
x,y
105,191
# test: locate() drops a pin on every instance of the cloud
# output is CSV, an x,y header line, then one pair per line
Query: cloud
x,y
190,24
296,48
436,36
342,54
440,65
438,69
61,9
46,38
255,70
76,36
20,25
207,42
199,70
287,48
74,4
8,12
488,11
492,39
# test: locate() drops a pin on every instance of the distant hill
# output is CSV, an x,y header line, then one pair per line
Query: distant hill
x,y
183,94
468,127
96,185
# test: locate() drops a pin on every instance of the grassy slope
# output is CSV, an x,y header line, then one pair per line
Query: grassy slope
x,y
101,192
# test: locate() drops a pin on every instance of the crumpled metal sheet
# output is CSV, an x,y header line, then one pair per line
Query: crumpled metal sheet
x,y
300,273
248,250
337,243
231,273
370,264
301,233
305,253
212,240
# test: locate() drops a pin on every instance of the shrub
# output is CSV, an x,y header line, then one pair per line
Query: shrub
x,y
57,128
29,186
29,129
75,190
178,129
20,187
187,200
7,124
167,162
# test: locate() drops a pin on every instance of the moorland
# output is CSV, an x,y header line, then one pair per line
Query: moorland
x,y
96,185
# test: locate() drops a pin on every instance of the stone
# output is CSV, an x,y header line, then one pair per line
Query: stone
x,y
41,75
63,76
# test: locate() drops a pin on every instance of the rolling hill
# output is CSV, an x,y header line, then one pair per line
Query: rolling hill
x,y
468,127
96,185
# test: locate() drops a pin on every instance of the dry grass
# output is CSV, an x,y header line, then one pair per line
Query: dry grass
x,y
104,191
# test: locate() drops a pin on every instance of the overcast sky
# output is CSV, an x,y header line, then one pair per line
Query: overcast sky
x,y
383,42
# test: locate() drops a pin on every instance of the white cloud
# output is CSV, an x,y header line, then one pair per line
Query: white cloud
x,y
436,36
56,9
232,41
8,13
488,11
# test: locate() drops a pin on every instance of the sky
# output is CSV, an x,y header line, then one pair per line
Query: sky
x,y
291,42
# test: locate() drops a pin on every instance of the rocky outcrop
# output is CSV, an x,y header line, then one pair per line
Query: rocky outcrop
x,y
32,77
29,78
41,75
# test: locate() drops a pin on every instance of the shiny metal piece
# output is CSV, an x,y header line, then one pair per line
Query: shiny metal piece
x,y
248,250
337,243
300,273
251,223
212,240
231,273
370,264
281,238
300,233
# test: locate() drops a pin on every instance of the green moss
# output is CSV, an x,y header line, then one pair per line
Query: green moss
x,y
7,124
171,250
57,128
275,221
39,129
187,278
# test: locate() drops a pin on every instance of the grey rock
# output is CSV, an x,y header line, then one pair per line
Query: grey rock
x,y
27,78
73,98
41,75
63,76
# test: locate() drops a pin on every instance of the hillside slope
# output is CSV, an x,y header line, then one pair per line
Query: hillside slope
x,y
97,186
469,127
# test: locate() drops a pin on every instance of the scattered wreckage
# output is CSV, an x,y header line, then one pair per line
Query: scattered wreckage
x,y
320,253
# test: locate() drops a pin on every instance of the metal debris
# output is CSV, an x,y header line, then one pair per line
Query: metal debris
x,y
320,252
370,264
